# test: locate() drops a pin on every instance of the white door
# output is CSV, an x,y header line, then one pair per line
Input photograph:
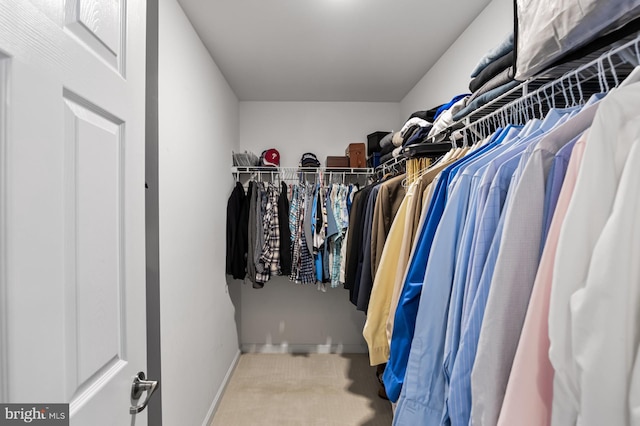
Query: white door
x,y
72,264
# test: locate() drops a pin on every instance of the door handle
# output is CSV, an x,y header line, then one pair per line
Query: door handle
x,y
137,388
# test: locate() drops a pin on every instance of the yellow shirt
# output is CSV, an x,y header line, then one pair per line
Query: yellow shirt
x,y
375,327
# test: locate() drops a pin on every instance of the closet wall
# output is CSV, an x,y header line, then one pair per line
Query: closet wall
x,y
201,122
450,75
324,128
284,316
198,115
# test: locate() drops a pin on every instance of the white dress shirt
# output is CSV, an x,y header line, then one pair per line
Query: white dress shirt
x,y
605,313
586,216
515,272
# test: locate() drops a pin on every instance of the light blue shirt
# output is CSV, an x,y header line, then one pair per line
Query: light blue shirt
x,y
407,309
424,370
484,254
484,229
461,261
479,192
460,383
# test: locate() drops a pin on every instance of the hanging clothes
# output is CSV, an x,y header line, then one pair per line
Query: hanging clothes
x,y
302,268
373,211
515,269
268,263
285,230
406,311
361,286
390,196
346,217
336,229
237,222
532,369
512,260
354,240
252,232
320,212
393,262
608,146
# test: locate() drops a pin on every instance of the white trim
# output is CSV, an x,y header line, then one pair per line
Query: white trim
x,y
216,401
303,349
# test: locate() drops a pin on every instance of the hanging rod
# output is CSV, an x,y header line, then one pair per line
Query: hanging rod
x,y
392,165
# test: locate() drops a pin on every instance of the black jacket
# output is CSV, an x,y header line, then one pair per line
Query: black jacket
x,y
237,223
285,233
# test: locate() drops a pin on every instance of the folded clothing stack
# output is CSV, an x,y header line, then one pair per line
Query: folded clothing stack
x,y
445,119
492,77
414,127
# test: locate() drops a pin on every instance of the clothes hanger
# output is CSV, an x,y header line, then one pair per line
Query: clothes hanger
x,y
571,92
564,93
581,101
522,115
532,104
601,78
540,113
517,112
613,71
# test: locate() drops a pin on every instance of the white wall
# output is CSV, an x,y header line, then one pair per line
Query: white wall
x,y
450,75
324,128
283,315
198,115
288,317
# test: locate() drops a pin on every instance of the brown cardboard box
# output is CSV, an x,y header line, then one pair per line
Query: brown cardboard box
x,y
334,161
357,155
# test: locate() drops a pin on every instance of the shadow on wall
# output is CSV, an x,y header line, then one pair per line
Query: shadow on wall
x,y
364,382
233,288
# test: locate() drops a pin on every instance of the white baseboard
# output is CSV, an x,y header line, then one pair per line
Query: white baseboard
x,y
303,349
223,386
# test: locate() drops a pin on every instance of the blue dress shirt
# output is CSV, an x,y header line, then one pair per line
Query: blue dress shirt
x,y
461,261
459,398
485,248
424,369
407,309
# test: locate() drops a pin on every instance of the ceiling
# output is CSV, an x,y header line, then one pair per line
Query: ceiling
x,y
327,50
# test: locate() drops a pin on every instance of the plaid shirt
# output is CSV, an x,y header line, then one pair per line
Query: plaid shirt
x,y
294,223
293,212
302,268
269,262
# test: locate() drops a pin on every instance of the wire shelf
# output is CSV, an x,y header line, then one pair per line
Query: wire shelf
x,y
566,85
326,175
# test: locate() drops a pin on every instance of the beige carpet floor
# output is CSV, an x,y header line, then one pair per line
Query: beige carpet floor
x,y
303,390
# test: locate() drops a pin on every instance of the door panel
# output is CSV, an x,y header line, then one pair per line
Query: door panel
x,y
94,248
98,25
72,197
